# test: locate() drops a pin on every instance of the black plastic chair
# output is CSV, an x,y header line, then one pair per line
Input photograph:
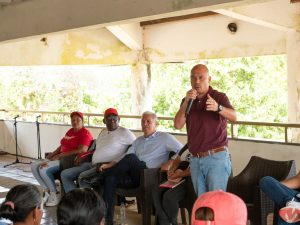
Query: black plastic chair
x,y
246,185
143,193
66,162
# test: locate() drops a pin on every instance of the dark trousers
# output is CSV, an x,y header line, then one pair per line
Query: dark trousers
x,y
166,203
125,174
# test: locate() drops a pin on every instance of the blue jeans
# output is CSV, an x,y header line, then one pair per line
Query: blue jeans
x,y
125,174
45,176
211,172
68,176
279,193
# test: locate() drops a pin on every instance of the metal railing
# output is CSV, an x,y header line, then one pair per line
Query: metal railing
x,y
289,131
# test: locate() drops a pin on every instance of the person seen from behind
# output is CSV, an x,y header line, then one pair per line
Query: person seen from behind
x,y
81,206
23,205
219,208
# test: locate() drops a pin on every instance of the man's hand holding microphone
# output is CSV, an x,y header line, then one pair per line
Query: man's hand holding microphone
x,y
191,95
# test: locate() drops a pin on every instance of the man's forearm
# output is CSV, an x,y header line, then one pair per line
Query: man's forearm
x,y
180,119
80,149
229,114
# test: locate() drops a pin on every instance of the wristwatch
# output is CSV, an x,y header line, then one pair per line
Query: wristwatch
x,y
220,108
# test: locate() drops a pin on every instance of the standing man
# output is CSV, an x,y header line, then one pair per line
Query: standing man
x,y
206,124
111,146
148,151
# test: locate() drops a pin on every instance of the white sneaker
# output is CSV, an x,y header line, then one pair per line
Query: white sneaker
x,y
290,213
45,196
53,199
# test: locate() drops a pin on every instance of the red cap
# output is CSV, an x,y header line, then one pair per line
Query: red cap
x,y
228,208
110,111
80,114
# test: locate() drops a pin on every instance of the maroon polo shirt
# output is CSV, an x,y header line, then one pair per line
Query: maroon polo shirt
x,y
206,129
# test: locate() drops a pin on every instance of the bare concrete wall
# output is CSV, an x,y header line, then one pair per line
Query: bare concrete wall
x,y
241,151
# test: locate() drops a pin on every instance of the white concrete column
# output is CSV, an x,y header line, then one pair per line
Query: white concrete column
x,y
141,88
293,77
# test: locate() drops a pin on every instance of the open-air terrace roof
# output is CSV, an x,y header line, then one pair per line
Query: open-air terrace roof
x,y
140,33
55,32
76,32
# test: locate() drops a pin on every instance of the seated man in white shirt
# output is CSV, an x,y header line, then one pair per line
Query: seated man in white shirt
x,y
111,146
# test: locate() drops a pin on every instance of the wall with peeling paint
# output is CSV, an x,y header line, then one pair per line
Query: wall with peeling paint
x,y
208,37
202,38
96,46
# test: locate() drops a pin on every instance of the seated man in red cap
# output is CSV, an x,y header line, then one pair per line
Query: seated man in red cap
x,y
76,141
111,146
219,207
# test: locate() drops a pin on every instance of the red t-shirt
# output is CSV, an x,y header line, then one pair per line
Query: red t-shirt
x,y
206,129
73,139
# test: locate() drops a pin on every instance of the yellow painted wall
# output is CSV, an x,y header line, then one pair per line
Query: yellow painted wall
x,y
97,46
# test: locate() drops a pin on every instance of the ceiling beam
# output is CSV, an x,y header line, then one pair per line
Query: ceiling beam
x,y
130,34
176,18
39,17
252,20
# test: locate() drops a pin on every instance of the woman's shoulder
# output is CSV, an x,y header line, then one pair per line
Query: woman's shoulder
x,y
85,131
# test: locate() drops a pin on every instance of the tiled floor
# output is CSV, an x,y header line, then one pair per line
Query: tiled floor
x,y
17,174
20,173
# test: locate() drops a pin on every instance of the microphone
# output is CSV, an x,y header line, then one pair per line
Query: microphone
x,y
189,106
38,116
17,116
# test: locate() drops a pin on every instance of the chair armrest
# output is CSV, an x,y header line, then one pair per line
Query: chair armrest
x,y
86,156
92,146
149,177
47,153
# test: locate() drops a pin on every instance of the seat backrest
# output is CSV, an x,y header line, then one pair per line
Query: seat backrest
x,y
245,182
92,145
68,161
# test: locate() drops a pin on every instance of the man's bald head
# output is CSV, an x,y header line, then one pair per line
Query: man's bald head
x,y
200,79
200,68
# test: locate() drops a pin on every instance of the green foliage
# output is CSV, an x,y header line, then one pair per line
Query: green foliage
x,y
256,87
66,89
